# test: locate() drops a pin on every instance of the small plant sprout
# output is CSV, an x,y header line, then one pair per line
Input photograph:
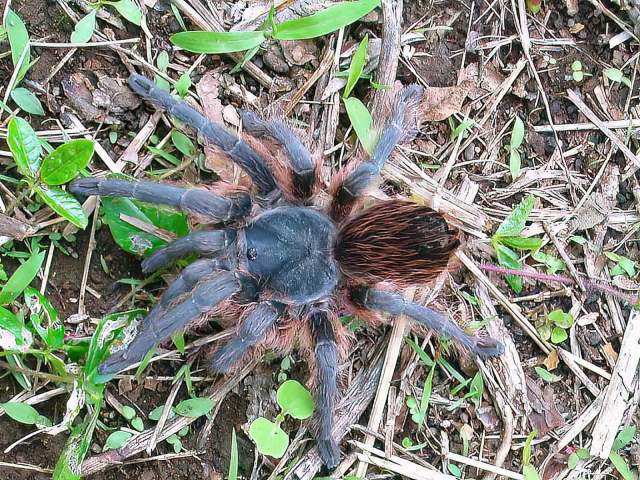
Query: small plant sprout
x,y
624,438
43,175
617,76
555,326
294,400
577,71
529,472
623,265
517,136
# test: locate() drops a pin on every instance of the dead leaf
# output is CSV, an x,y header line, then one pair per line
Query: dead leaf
x,y
14,229
551,362
439,103
609,352
488,417
544,413
299,52
80,98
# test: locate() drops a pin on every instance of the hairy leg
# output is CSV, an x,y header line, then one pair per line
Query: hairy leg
x,y
251,331
347,189
203,298
302,165
237,150
325,352
202,243
192,200
374,299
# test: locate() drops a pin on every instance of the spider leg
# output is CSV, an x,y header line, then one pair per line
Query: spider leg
x,y
250,332
326,359
203,298
237,150
374,299
208,242
192,200
302,165
349,188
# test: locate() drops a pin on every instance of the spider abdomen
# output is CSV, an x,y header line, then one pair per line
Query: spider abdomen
x,y
289,251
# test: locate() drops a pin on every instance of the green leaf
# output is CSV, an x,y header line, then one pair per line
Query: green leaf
x,y
546,375
424,356
194,407
83,31
357,66
326,21
361,120
526,450
21,412
233,458
628,265
522,243
19,41
53,334
166,155
295,400
583,453
576,66
217,42
129,10
558,335
183,143
426,396
462,128
132,239
183,84
454,470
64,163
128,412
21,278
25,146
269,438
509,259
530,473
137,424
176,442
552,263
10,324
624,438
572,461
614,74
561,319
515,163
63,203
621,465
27,101
407,442
156,413
476,389
517,134
516,220
545,331
117,439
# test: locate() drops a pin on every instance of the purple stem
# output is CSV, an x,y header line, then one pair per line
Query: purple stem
x,y
590,285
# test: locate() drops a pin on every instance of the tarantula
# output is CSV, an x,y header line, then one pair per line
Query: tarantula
x,y
279,266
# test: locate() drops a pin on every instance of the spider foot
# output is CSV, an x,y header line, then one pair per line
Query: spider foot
x,y
486,347
329,453
85,187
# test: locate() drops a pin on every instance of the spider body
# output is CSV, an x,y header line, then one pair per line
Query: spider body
x,y
276,267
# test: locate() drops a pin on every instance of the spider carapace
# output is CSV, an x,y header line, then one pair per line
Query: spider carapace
x,y
283,259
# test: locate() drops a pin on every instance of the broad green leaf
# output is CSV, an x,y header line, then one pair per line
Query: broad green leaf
x,y
25,146
233,458
628,265
454,470
517,134
509,259
295,400
572,461
156,413
552,263
64,163
128,412
63,203
614,74
583,453
175,441
13,334
83,31
515,163
516,220
21,278
269,438
522,243
558,335
561,319
217,42
183,143
361,120
530,473
138,424
19,41
183,84
545,331
27,101
546,375
129,10
357,66
194,407
21,412
326,21
624,438
621,466
163,64
117,439
166,155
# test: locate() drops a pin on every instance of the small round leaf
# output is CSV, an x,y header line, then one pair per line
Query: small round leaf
x,y
128,412
21,412
117,439
558,335
194,407
64,163
269,438
295,400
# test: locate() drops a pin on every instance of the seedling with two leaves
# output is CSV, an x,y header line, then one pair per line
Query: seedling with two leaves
x,y
294,400
555,326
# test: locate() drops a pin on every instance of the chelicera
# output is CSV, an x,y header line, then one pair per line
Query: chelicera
x,y
282,262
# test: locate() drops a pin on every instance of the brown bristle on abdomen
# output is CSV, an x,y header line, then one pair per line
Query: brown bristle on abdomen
x,y
397,241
